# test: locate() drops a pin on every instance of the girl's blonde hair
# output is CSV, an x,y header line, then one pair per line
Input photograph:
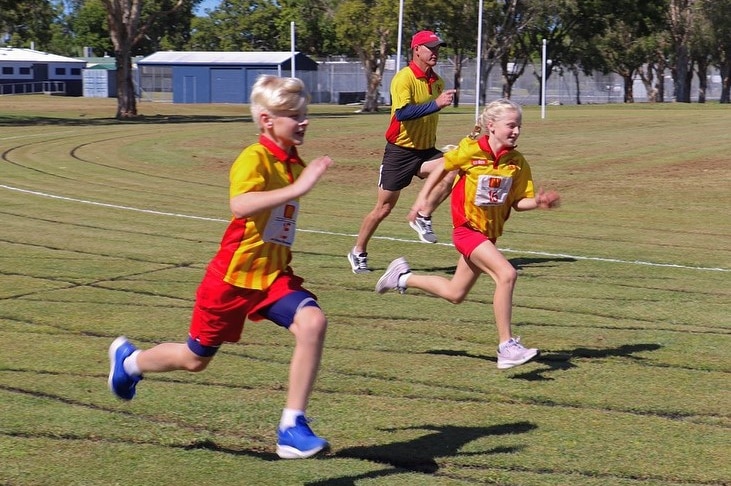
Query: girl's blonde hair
x,y
493,112
272,94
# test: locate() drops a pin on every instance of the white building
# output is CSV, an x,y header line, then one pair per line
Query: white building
x,y
30,71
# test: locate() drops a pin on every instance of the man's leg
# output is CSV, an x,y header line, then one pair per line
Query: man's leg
x,y
441,191
385,203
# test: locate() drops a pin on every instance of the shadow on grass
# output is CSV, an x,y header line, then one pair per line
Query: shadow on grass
x,y
462,354
518,263
81,120
416,455
212,446
19,121
561,360
420,454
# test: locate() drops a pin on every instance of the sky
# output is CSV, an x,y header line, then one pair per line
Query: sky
x,y
206,4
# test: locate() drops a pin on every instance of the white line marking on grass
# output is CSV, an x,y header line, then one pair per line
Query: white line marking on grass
x,y
30,135
543,253
113,206
385,238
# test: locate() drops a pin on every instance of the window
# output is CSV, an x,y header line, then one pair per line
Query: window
x,y
60,71
75,71
8,70
157,79
24,70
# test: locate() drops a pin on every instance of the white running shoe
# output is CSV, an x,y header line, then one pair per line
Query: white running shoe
x,y
513,354
389,280
423,228
359,262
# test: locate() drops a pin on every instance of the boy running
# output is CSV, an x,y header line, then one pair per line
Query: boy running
x,y
250,276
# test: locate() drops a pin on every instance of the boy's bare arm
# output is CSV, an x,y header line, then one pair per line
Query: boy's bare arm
x,y
250,203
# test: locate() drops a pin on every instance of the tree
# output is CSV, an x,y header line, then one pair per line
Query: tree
x,y
624,54
702,50
718,15
680,20
456,23
128,27
170,30
652,72
569,28
314,25
27,22
460,29
630,42
505,22
62,39
258,26
89,23
241,25
369,28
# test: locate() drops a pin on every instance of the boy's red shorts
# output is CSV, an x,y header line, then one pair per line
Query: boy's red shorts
x,y
221,308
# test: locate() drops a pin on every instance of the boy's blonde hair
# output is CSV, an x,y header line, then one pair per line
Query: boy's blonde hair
x,y
493,112
272,94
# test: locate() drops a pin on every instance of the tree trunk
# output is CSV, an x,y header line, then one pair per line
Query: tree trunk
x,y
660,82
647,75
458,79
126,99
374,63
702,81
507,90
629,93
689,81
682,87
125,31
726,82
123,19
483,82
510,76
373,80
577,82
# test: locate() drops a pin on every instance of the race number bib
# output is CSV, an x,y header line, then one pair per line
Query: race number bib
x,y
282,224
492,190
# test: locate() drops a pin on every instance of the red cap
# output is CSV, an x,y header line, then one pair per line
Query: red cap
x,y
426,38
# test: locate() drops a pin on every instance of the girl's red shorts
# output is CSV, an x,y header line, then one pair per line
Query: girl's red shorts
x,y
466,239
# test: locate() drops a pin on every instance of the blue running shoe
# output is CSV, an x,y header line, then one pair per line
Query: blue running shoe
x,y
121,383
299,442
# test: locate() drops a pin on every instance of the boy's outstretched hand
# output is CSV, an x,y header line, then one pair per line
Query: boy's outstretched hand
x,y
313,172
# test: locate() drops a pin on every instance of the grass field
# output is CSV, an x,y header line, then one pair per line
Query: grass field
x,y
107,228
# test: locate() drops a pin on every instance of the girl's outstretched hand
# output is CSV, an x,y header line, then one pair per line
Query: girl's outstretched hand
x,y
548,199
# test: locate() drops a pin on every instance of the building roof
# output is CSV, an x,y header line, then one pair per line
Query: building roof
x,y
209,57
29,55
106,62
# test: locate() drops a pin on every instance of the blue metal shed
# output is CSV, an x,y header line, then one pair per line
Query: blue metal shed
x,y
216,77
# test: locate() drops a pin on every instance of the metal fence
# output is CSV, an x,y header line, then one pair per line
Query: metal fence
x,y
343,81
154,83
33,87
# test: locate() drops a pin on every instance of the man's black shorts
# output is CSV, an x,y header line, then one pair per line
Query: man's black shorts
x,y
400,165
